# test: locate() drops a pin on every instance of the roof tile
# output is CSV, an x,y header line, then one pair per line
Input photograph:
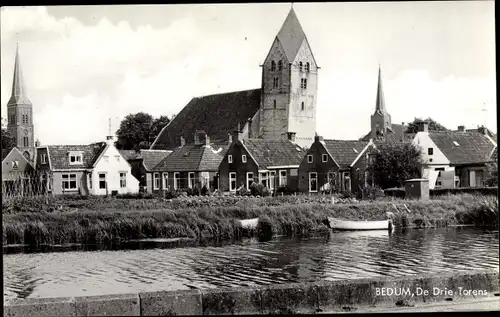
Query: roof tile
x,y
344,152
59,155
274,152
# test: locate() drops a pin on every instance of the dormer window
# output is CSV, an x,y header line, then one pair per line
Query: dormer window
x,y
300,66
273,66
75,158
308,67
280,65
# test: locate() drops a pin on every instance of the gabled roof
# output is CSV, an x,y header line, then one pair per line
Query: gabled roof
x,y
191,158
494,154
130,154
19,96
462,148
58,155
151,158
291,35
344,152
15,151
268,153
218,115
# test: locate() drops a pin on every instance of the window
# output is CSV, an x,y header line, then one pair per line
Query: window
x,y
75,158
273,66
15,164
232,181
90,180
430,151
274,104
123,180
275,82
324,158
300,66
177,181
191,179
230,159
271,180
313,182
264,179
302,106
308,67
117,157
309,159
165,181
102,180
156,181
106,158
244,158
282,180
294,172
43,158
69,181
249,179
303,83
280,65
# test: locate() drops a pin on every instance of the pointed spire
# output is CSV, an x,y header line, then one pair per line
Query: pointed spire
x,y
291,35
18,90
380,102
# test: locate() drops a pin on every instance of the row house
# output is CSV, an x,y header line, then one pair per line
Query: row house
x,y
188,166
95,169
142,163
337,165
455,158
273,163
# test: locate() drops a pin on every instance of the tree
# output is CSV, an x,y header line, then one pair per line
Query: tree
x,y
394,162
491,174
433,125
138,131
8,142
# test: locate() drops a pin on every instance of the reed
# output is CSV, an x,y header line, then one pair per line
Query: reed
x,y
99,226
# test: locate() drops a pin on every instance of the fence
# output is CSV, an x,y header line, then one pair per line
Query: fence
x,y
17,184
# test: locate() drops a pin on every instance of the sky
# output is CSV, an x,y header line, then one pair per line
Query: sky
x,y
83,65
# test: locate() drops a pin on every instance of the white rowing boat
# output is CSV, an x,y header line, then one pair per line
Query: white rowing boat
x,y
339,224
250,224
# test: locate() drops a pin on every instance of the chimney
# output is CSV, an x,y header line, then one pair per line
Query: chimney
x,y
249,128
183,141
37,143
482,129
318,138
291,136
109,139
199,137
461,128
237,135
423,126
207,140
230,139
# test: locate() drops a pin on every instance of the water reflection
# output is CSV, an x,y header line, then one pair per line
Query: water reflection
x,y
249,263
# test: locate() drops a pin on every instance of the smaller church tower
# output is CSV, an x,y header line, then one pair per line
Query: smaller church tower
x,y
380,120
20,114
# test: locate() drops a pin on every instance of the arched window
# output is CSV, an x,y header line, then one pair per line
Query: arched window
x,y
300,66
273,66
280,65
274,104
308,67
302,106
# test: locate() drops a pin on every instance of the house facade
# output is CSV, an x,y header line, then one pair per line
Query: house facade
x,y
187,167
142,163
336,165
454,158
18,175
273,163
95,169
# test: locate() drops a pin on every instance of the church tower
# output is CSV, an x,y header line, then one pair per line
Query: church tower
x,y
20,114
380,120
289,86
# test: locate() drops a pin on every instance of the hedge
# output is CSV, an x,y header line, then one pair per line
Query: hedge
x,y
400,192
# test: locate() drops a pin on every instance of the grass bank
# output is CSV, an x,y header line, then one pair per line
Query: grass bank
x,y
108,225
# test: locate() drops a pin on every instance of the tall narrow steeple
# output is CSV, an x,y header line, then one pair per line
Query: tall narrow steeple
x,y
19,95
380,102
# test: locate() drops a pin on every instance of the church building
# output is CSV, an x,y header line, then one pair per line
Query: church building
x,y
283,108
20,114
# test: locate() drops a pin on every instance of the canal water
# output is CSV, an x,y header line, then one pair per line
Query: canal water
x,y
332,256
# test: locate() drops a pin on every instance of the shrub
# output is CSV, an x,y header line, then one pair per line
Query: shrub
x,y
465,190
139,195
243,192
285,190
193,191
372,192
259,190
346,194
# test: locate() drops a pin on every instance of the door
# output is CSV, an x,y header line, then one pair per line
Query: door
x,y
472,178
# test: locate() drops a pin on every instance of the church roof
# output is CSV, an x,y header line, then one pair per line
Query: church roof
x,y
291,35
218,115
19,95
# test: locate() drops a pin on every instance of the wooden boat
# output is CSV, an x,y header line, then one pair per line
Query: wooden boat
x,y
339,224
250,224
